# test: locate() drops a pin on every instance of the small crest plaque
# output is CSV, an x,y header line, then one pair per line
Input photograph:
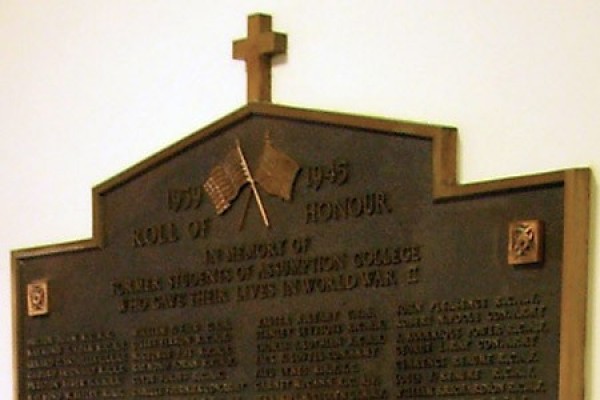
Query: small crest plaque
x,y
526,242
37,298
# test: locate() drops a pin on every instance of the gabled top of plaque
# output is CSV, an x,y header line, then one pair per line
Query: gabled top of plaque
x,y
275,217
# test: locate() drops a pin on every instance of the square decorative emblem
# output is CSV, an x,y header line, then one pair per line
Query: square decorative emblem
x,y
525,242
37,298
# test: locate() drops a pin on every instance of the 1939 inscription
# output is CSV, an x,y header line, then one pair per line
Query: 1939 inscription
x,y
281,258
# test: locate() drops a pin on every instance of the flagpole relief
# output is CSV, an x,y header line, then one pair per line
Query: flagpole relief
x,y
250,179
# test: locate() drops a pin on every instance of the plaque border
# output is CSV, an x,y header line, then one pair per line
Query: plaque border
x,y
446,187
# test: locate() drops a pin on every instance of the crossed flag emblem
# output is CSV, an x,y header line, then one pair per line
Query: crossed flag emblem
x,y
275,174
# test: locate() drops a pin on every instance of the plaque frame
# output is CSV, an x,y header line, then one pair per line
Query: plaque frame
x,y
445,188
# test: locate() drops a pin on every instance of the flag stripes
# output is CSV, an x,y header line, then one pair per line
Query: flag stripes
x,y
225,181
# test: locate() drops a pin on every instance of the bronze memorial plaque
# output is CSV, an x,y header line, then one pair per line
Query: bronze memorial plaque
x,y
291,254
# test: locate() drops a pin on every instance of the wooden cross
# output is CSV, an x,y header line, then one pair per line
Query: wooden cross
x,y
257,50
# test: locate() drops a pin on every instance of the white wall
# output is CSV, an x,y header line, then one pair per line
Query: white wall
x,y
88,88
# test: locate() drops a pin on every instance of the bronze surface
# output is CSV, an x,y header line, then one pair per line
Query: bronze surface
x,y
378,276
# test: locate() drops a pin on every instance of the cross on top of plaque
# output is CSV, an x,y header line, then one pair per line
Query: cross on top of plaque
x,y
257,50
